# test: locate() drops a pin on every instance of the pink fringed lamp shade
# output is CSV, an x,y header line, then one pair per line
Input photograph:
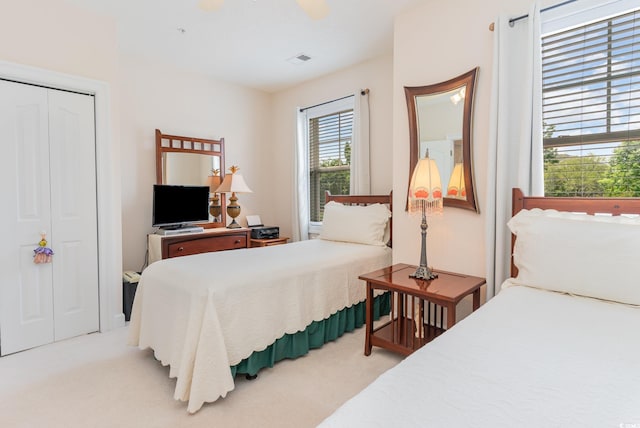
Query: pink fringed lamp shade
x,y
425,189
456,187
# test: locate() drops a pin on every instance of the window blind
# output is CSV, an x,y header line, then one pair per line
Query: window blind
x,y
329,158
591,108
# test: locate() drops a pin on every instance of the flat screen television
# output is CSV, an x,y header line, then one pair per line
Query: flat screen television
x,y
177,206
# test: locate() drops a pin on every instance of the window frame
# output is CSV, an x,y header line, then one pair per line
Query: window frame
x,y
331,107
572,18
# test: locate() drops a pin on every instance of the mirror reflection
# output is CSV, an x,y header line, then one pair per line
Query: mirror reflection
x,y
439,125
188,169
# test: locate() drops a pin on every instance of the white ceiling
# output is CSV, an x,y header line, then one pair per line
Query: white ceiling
x,y
248,42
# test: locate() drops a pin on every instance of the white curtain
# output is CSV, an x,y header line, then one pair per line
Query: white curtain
x,y
300,215
360,163
515,138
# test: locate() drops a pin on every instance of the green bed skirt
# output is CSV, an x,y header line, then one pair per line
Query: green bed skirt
x,y
314,336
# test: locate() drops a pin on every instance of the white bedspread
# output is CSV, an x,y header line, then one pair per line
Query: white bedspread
x,y
202,314
528,358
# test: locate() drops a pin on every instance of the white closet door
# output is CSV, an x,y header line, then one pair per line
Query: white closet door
x,y
26,310
73,213
48,182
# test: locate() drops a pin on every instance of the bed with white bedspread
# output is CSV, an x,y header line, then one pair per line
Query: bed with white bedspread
x,y
205,313
557,347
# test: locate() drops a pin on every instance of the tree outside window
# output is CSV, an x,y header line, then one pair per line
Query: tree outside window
x,y
329,158
591,109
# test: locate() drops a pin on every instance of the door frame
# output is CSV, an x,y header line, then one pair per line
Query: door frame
x,y
107,182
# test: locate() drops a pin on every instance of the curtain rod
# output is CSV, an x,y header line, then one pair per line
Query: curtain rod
x,y
512,21
364,91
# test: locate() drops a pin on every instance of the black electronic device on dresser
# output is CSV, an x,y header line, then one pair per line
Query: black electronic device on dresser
x,y
259,230
265,232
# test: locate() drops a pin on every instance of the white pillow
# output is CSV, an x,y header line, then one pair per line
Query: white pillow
x,y
355,223
593,256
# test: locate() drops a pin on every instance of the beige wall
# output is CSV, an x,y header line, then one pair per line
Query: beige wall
x,y
375,75
435,42
58,36
182,103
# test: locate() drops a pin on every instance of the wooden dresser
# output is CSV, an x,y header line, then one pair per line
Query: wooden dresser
x,y
217,239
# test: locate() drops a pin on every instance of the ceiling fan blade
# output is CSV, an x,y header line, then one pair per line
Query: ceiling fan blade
x,y
210,5
316,9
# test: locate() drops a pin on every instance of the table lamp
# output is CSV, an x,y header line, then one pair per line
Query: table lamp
x,y
456,187
425,195
213,181
233,183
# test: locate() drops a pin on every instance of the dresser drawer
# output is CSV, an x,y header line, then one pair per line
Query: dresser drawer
x,y
207,244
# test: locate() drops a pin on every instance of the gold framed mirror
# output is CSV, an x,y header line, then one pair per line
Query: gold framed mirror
x,y
440,120
191,161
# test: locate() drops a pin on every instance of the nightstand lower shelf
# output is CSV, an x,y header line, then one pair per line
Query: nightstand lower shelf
x,y
400,335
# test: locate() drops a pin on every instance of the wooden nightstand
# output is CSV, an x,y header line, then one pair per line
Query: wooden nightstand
x,y
417,306
267,242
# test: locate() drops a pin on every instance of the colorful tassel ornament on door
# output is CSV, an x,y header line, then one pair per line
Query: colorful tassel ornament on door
x,y
42,254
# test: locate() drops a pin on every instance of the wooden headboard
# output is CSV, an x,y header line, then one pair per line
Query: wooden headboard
x,y
613,206
365,200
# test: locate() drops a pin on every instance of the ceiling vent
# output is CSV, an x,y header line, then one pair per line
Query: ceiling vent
x,y
299,59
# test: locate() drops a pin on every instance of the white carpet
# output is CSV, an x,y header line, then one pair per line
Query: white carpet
x,y
98,381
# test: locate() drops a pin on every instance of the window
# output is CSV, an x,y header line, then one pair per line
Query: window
x,y
330,131
591,108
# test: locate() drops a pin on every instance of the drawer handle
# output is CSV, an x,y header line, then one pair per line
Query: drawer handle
x,y
181,249
237,241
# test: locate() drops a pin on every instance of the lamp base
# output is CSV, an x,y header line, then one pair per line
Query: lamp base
x,y
423,272
234,225
215,211
233,210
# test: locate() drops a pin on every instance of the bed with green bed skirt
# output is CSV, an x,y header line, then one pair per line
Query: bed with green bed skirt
x,y
314,336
